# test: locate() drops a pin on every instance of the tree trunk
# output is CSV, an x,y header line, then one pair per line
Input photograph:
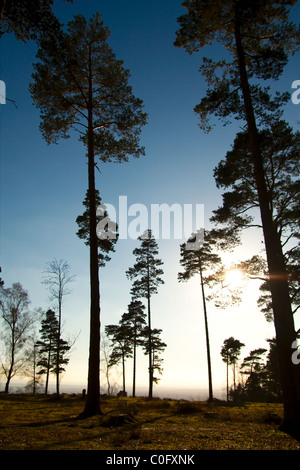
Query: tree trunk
x,y
134,366
12,363
48,369
58,336
92,406
227,378
283,317
8,378
123,367
210,388
150,394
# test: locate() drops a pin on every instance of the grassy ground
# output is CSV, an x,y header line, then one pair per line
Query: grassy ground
x,y
42,423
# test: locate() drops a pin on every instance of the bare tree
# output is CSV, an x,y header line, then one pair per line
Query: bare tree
x,y
57,278
107,369
18,322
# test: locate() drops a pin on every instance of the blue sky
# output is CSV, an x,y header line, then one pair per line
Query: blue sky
x,y
42,189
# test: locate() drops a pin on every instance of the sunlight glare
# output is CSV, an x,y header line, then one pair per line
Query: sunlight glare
x,y
234,277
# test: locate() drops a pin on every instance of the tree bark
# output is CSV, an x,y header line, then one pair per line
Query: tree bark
x,y
134,363
58,336
150,394
210,388
12,362
123,367
283,316
92,406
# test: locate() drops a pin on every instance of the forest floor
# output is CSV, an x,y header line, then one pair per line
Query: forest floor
x,y
29,422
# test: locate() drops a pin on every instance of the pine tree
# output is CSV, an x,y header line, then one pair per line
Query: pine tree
x,y
80,84
27,19
258,38
52,349
18,321
157,347
58,277
147,274
196,262
106,240
135,319
230,352
120,336
272,373
46,346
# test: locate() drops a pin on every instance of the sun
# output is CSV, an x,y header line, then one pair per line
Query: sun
x,y
234,277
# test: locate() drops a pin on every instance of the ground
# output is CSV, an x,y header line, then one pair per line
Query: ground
x,y
29,422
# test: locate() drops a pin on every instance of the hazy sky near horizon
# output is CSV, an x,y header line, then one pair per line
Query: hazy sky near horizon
x,y
42,189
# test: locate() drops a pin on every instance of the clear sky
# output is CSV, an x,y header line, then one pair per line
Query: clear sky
x,y
42,189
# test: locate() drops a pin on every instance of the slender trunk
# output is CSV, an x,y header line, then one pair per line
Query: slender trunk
x,y
227,378
48,369
58,344
134,365
123,366
8,379
58,336
210,389
12,361
107,380
34,369
92,406
150,395
283,317
47,382
234,381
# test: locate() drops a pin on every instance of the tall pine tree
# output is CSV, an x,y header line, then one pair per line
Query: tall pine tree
x,y
146,274
258,38
46,346
196,262
120,336
79,83
135,319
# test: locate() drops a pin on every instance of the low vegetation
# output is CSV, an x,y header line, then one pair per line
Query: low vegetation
x,y
36,422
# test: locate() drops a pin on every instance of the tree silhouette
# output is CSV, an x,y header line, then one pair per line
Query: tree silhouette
x,y
148,274
263,382
135,319
122,345
89,91
253,367
280,148
57,278
18,321
27,19
157,346
230,352
196,262
106,366
51,349
272,373
46,345
106,240
258,38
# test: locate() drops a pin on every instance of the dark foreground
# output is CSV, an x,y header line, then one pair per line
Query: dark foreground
x,y
43,423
